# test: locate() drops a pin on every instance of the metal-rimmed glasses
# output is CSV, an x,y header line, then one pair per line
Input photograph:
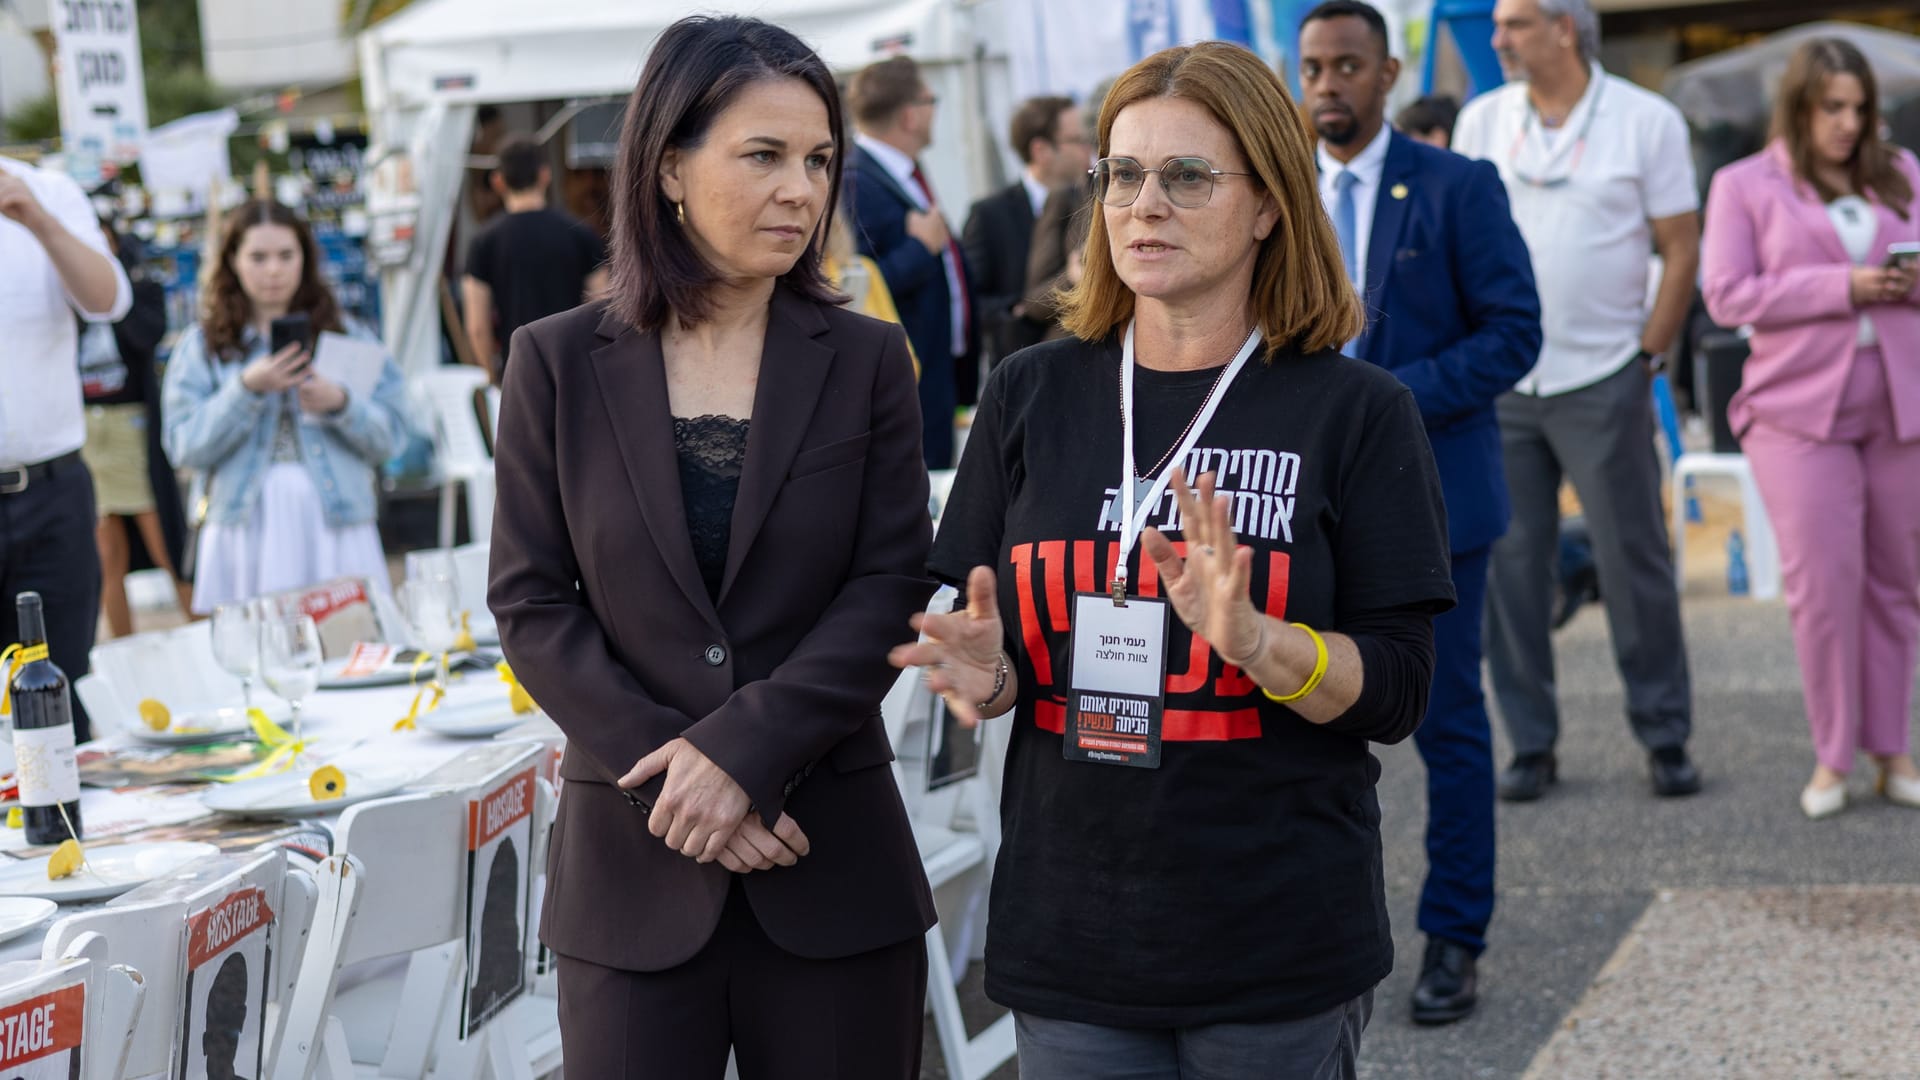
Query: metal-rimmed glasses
x,y
1187,181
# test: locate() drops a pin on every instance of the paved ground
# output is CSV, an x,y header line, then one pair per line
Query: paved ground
x,y
1580,868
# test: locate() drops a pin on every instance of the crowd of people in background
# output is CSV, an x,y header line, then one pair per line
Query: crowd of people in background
x,y
1304,385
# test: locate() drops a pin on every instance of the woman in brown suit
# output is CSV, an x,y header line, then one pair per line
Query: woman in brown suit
x,y
711,518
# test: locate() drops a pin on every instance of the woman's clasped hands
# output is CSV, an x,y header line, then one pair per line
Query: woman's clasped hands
x,y
292,369
703,813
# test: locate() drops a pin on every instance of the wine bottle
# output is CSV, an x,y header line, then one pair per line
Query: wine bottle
x,y
43,734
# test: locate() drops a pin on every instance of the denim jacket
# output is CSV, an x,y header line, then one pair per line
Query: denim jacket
x,y
217,425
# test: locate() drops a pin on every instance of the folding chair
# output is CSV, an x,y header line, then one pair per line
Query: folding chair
x,y
460,450
146,931
112,996
411,854
951,854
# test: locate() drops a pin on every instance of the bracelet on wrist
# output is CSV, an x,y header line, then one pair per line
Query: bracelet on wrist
x,y
1313,680
1001,669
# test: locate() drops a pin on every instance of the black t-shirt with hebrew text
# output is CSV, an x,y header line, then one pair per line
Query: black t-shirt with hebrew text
x,y
1241,880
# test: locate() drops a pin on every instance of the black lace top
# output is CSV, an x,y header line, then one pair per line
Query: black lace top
x,y
711,449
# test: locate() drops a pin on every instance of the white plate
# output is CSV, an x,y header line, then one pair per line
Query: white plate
x,y
395,673
222,723
473,719
109,871
287,795
19,914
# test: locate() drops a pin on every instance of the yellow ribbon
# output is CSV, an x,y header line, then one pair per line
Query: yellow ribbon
x,y
15,656
463,642
516,694
283,746
406,723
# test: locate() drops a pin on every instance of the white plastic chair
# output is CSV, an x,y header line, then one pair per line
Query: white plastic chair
x,y
114,994
410,851
951,853
174,666
145,932
460,451
1762,551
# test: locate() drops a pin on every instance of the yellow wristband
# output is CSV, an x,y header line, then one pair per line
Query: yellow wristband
x,y
1313,680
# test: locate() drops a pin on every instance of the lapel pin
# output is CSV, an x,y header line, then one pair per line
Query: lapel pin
x,y
1399,191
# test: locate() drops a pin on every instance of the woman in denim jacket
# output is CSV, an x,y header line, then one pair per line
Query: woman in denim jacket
x,y
290,455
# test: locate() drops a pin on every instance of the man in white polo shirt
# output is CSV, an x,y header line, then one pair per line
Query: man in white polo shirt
x,y
1600,175
53,265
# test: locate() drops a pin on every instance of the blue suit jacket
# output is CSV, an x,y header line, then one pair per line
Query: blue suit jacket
x,y
1452,311
916,277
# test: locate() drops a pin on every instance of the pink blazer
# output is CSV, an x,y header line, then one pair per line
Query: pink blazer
x,y
1771,259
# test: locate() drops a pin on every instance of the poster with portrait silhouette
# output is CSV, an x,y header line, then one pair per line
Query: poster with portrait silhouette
x,y
499,849
222,1026
42,1022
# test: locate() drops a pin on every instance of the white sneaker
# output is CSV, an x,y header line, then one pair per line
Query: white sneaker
x,y
1818,803
1901,790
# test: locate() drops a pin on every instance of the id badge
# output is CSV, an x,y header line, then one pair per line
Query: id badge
x,y
1116,694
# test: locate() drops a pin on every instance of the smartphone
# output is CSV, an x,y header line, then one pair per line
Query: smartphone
x,y
291,329
1903,254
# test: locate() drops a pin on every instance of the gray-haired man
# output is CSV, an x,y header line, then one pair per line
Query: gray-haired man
x,y
1599,174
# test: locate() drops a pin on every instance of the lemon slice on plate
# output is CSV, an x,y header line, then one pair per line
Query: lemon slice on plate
x,y
327,783
155,714
65,860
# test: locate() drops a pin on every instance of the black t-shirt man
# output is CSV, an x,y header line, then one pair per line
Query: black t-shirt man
x,y
536,263
1241,880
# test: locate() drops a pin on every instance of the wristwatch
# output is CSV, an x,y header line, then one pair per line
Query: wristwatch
x,y
1654,362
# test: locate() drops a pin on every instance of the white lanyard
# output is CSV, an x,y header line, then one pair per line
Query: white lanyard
x,y
1133,512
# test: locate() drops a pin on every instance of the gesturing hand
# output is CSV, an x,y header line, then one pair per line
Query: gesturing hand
x,y
700,808
322,397
756,847
1209,588
962,650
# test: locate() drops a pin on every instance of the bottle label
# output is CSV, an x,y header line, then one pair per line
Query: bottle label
x,y
44,758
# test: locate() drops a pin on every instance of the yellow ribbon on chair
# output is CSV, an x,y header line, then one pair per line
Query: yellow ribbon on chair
x,y
407,722
516,694
14,656
283,748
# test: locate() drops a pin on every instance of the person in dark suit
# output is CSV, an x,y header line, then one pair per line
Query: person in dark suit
x,y
711,521
1049,136
899,225
1452,311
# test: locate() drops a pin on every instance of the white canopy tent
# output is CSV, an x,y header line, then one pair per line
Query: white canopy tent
x,y
426,70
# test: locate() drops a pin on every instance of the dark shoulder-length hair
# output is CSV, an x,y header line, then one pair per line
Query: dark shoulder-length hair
x,y
1301,295
225,309
1873,167
697,68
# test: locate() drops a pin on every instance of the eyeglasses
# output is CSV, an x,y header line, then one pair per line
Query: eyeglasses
x,y
1187,181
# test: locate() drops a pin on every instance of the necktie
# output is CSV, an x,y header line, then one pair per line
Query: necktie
x,y
1343,220
953,249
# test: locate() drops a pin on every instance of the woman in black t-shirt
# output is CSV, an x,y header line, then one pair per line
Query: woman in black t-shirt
x,y
1192,885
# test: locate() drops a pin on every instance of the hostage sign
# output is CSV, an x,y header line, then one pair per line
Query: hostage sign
x,y
102,87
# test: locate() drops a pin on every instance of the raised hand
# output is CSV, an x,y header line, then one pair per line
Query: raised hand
x,y
961,651
1209,587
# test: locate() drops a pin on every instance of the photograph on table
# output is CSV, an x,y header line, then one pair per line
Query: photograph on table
x,y
42,1021
499,846
222,1030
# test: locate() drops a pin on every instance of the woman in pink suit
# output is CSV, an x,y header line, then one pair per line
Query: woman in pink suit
x,y
1797,246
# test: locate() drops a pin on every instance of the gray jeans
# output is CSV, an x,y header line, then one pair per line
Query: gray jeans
x,y
1323,1047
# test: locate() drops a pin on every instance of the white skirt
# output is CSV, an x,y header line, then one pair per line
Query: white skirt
x,y
287,545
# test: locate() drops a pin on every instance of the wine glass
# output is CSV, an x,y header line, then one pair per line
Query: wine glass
x,y
290,660
428,606
236,644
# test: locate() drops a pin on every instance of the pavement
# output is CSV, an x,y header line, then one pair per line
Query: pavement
x,y
1717,936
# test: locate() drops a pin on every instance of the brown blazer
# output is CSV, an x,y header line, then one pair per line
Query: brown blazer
x,y
604,617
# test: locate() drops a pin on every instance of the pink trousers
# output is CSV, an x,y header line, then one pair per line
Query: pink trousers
x,y
1846,513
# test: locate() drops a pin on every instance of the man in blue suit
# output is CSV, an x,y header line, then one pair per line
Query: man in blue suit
x,y
1451,310
898,223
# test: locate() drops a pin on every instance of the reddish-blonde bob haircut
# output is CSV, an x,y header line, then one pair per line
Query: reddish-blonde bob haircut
x,y
1301,296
